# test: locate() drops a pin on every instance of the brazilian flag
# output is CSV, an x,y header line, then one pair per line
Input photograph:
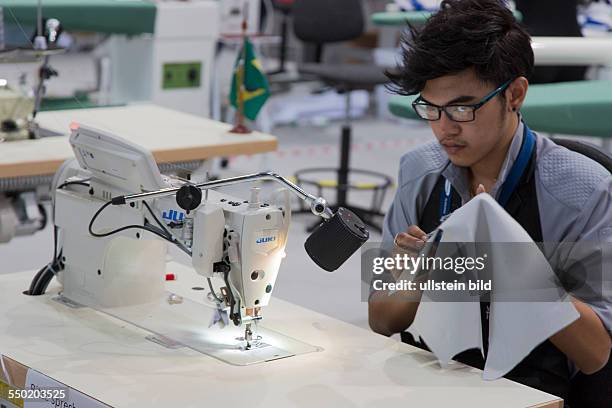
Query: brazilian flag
x,y
256,90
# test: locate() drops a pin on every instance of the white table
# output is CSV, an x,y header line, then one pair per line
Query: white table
x,y
572,50
111,361
171,136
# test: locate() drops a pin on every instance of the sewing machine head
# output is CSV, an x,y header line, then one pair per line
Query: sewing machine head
x,y
134,212
15,113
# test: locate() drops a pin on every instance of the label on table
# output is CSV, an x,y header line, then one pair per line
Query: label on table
x,y
22,387
72,399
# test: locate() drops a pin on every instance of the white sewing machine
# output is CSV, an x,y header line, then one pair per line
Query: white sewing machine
x,y
115,214
18,105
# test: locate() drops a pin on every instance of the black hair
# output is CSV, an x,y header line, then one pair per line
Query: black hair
x,y
478,34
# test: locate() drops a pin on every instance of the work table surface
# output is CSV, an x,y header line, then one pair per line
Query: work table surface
x,y
111,361
170,135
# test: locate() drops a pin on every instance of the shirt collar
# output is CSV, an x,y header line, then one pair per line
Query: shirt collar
x,y
458,176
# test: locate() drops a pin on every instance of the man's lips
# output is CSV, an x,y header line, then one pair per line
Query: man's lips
x,y
452,147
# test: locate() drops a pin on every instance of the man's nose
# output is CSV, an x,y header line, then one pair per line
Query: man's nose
x,y
448,126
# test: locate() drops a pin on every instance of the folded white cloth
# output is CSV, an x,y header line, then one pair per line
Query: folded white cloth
x,y
527,306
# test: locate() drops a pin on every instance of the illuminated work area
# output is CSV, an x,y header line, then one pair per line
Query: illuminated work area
x,y
289,203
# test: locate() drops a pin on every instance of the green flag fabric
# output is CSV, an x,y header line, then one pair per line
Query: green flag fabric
x,y
256,90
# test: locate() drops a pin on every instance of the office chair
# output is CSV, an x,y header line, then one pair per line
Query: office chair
x,y
595,390
284,6
320,22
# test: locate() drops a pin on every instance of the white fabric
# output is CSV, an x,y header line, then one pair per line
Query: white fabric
x,y
516,327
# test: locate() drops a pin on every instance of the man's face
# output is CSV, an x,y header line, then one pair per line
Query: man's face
x,y
466,143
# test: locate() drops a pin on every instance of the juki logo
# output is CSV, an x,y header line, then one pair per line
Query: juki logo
x,y
263,240
173,215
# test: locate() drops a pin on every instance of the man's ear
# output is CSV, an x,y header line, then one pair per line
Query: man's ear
x,y
516,93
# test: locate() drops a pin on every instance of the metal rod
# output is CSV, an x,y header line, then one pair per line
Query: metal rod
x,y
347,108
318,204
40,88
39,30
39,18
2,45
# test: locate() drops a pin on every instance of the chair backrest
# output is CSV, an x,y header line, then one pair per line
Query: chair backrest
x,y
590,150
590,391
326,21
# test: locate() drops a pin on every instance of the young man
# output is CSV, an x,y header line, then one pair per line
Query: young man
x,y
470,64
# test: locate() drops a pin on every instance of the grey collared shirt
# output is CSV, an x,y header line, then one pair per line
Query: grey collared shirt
x,y
458,176
574,199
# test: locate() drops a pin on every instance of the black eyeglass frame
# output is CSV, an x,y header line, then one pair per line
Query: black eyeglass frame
x,y
474,107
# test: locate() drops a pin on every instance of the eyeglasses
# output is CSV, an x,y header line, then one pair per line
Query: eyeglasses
x,y
457,113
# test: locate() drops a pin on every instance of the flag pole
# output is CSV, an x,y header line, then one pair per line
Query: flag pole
x,y
240,127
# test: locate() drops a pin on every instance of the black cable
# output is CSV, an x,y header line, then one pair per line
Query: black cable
x,y
36,279
127,227
212,290
172,239
234,316
93,219
70,183
120,229
43,277
171,236
45,217
55,232
161,225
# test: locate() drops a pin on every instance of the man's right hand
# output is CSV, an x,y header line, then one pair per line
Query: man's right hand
x,y
413,239
393,313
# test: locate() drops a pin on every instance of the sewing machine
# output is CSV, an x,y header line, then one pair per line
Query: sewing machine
x,y
125,51
15,112
18,104
115,215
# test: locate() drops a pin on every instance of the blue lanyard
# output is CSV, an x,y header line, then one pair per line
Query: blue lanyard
x,y
445,199
516,172
417,6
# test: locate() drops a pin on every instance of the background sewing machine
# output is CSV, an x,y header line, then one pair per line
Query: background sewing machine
x,y
160,51
115,214
19,104
16,108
